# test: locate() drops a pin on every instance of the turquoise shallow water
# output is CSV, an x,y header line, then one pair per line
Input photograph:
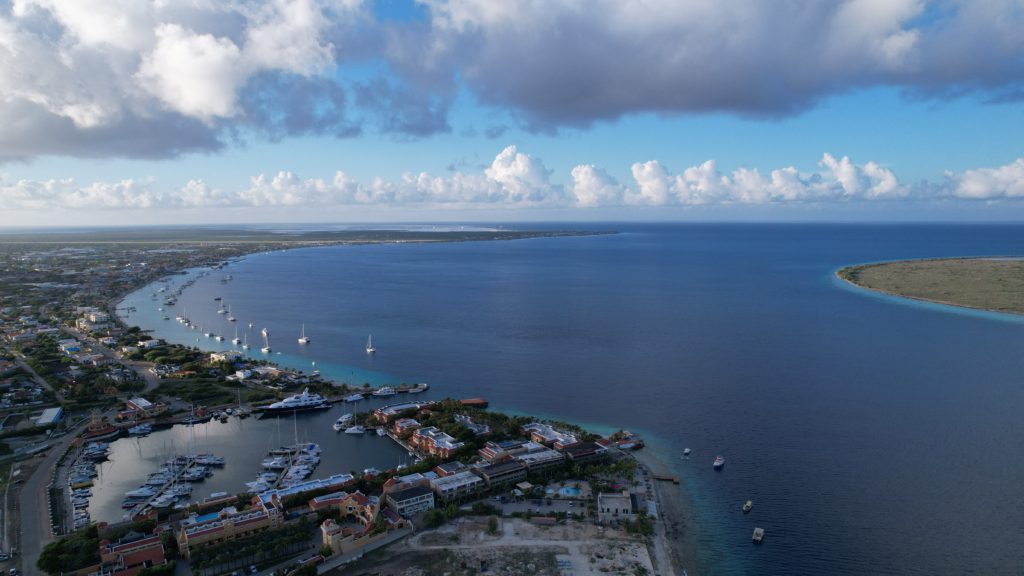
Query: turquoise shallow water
x,y
874,435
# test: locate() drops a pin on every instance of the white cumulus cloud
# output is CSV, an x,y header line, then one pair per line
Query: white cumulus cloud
x,y
515,179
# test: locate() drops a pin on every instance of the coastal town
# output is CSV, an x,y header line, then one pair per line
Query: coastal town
x,y
482,490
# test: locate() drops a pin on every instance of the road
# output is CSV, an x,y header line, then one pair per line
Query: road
x,y
141,368
20,360
35,518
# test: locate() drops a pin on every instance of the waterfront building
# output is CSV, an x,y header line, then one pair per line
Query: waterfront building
x,y
549,436
274,499
616,507
50,416
435,442
475,428
129,555
226,356
386,414
584,452
501,474
459,486
226,524
541,461
496,451
403,427
408,502
139,408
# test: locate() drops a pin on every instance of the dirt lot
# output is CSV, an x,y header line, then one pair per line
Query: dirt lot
x,y
464,547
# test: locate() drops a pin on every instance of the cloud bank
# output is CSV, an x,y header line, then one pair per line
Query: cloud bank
x,y
517,180
99,78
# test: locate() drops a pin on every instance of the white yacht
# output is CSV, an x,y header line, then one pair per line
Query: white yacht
x,y
303,339
342,422
140,429
385,391
369,345
357,429
354,397
299,402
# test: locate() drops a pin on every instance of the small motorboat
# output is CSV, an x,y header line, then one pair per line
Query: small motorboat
x,y
719,462
748,506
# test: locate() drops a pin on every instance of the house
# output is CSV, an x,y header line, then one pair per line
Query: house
x,y
226,356
147,344
129,555
616,507
458,486
501,474
408,502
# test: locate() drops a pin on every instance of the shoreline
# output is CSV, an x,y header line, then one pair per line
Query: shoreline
x,y
675,526
675,516
839,274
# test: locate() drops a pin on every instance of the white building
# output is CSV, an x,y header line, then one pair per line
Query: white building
x,y
616,507
457,486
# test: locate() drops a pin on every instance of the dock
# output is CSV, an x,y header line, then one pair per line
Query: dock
x,y
178,474
666,478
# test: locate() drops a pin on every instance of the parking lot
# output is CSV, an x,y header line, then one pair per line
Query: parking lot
x,y
543,506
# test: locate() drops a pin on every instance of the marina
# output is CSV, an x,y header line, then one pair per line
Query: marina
x,y
244,443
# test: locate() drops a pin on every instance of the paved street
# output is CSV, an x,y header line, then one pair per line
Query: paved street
x,y
35,519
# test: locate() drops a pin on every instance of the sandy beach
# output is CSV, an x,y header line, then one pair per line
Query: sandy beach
x,y
676,528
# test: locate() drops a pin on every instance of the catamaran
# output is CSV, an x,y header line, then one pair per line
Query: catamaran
x,y
302,336
230,317
369,345
236,340
245,342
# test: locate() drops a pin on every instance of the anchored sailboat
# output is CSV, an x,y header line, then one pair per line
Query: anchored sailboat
x,y
266,341
369,345
302,336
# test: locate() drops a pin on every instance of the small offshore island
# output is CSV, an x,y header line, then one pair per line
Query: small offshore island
x,y
994,284
483,491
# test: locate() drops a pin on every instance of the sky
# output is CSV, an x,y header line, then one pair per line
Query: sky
x,y
227,111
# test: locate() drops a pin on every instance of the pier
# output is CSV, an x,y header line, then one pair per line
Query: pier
x,y
666,478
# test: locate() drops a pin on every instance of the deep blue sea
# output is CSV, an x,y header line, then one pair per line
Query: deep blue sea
x,y
875,435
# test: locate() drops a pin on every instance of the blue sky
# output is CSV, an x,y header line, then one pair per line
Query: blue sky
x,y
465,110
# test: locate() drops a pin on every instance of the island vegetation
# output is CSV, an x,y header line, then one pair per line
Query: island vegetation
x,y
995,284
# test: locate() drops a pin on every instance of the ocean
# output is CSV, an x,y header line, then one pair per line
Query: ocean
x,y
875,435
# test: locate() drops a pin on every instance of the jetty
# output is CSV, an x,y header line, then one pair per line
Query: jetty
x,y
666,478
